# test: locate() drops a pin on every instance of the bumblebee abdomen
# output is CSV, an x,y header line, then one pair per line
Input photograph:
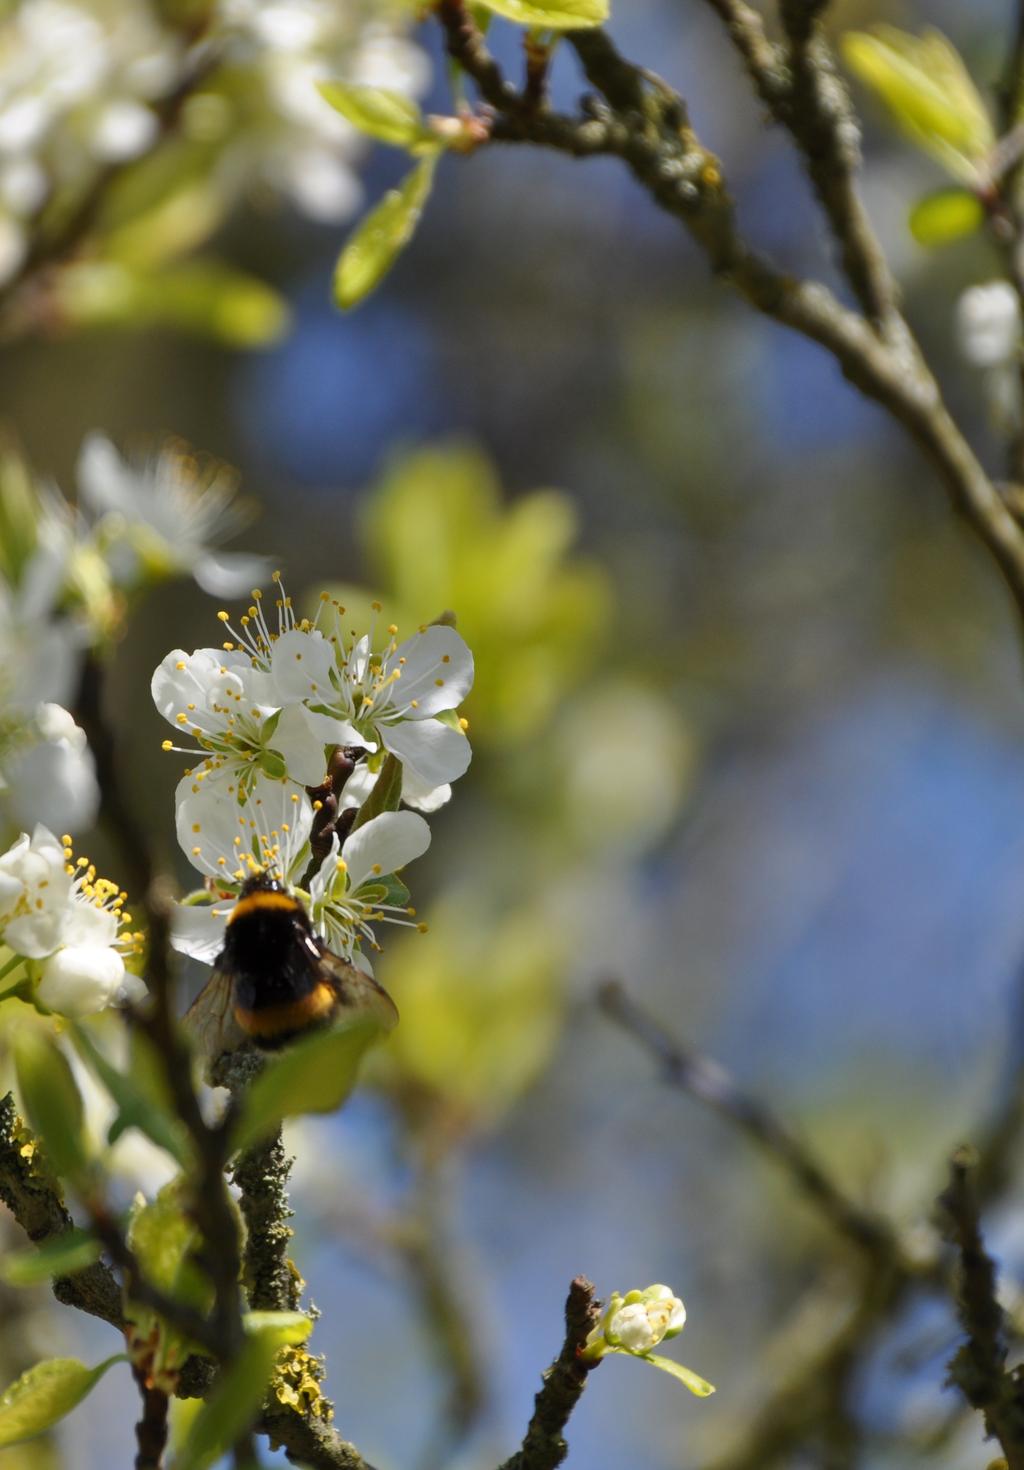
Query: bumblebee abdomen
x,y
277,1023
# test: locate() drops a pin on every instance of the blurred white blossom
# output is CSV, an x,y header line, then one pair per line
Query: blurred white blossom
x,y
47,772
988,321
166,514
68,924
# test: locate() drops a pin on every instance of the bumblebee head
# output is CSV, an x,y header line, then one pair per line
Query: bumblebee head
x,y
262,882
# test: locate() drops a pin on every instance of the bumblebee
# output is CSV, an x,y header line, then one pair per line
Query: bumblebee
x,y
275,979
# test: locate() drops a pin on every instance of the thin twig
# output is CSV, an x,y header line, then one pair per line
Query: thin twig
x,y
692,1072
979,1367
652,135
544,1446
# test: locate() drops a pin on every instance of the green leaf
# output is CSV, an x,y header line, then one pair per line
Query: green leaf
x,y
928,90
73,1251
139,1100
559,15
234,1402
386,795
314,1075
52,1100
163,1235
288,1329
379,239
693,1381
946,215
390,117
205,297
45,1394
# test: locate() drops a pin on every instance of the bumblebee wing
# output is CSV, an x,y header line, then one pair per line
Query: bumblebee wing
x,y
210,1020
357,993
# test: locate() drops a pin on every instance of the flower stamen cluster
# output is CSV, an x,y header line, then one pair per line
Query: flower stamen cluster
x,y
68,926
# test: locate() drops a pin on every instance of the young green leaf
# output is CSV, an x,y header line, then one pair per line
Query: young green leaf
x,y
693,1381
928,90
288,1329
139,1103
380,238
390,117
52,1100
233,1404
68,1253
45,1394
946,215
558,15
315,1075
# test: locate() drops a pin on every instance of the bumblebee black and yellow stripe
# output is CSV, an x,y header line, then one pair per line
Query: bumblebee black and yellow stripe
x,y
273,1022
263,901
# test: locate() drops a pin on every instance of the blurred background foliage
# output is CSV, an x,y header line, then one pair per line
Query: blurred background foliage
x,y
747,730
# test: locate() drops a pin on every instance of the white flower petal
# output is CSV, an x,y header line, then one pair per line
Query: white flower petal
x,y
81,979
301,751
55,783
435,753
437,673
329,730
383,845
105,482
230,573
301,664
198,929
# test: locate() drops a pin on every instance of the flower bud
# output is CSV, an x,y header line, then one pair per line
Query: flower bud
x,y
988,324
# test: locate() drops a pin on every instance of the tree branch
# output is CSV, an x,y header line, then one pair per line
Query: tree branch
x,y
697,1075
649,130
979,1367
544,1446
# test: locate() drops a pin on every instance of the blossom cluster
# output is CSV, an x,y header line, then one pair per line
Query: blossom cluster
x,y
67,929
66,576
267,715
85,84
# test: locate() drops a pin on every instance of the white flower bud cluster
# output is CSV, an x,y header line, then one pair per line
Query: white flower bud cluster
x,y
266,712
66,928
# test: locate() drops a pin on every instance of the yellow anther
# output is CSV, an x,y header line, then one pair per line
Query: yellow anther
x,y
463,723
166,745
439,683
181,664
224,617
446,658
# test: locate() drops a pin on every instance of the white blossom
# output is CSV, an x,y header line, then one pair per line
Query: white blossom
x,y
988,319
640,1325
402,698
47,772
268,831
69,924
167,513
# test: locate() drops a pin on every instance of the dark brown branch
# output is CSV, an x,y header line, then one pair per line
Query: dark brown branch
x,y
979,1367
544,1446
151,1428
705,1080
651,134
